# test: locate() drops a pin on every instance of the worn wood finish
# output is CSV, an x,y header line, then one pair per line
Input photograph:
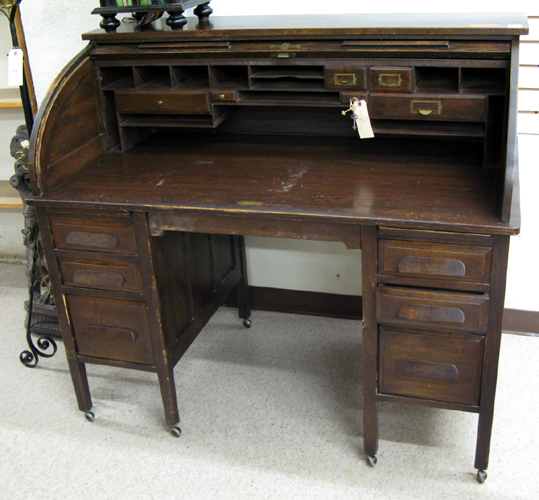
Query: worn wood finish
x,y
440,310
435,261
431,366
158,150
370,343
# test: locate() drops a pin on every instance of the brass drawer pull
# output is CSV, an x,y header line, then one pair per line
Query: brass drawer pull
x,y
430,313
389,80
426,108
431,266
285,46
427,370
344,79
159,103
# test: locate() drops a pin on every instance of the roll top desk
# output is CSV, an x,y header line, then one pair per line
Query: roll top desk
x,y
156,152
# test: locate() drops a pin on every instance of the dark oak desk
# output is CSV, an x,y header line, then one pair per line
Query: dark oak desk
x,y
156,152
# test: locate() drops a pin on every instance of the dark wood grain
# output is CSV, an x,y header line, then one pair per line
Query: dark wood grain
x,y
419,365
292,178
159,149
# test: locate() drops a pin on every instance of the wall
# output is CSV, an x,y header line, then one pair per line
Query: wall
x,y
10,118
53,37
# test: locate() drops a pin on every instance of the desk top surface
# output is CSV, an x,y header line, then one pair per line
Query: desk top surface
x,y
406,24
307,178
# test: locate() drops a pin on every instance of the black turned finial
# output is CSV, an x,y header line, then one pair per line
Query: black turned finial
x,y
176,20
203,11
109,22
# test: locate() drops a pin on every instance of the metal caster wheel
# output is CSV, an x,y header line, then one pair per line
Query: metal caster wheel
x,y
176,432
247,323
481,476
89,416
371,460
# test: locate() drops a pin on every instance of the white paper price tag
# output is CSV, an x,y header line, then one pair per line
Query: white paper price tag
x,y
363,122
15,68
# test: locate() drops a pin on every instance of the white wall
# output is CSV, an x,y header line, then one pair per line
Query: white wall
x,y
53,37
10,118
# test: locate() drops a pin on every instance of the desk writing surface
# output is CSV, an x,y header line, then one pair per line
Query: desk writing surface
x,y
342,179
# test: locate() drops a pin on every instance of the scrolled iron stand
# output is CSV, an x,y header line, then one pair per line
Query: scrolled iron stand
x,y
46,346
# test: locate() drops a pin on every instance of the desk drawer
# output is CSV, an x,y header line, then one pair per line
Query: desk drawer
x,y
438,367
428,107
436,261
176,103
440,310
99,236
110,329
345,77
101,275
391,79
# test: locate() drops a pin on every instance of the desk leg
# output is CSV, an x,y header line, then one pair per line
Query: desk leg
x,y
168,394
492,351
242,288
80,383
370,343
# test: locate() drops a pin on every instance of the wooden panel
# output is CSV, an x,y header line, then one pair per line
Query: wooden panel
x,y
182,103
103,236
429,107
349,234
102,275
436,261
440,310
345,77
201,268
433,366
391,79
224,255
110,329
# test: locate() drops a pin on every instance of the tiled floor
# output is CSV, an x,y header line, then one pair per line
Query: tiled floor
x,y
273,412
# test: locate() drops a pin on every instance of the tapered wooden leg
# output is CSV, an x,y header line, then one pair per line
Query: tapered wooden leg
x,y
492,352
80,383
370,344
168,394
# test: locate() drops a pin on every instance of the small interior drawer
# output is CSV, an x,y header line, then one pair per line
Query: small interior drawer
x,y
184,102
224,95
431,366
101,275
426,309
110,329
391,79
436,261
98,236
342,78
429,107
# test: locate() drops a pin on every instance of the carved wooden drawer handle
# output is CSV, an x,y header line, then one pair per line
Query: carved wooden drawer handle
x,y
110,333
432,265
95,240
98,278
431,313
427,370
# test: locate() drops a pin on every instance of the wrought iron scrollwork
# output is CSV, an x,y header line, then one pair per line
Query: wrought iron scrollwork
x,y
41,311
